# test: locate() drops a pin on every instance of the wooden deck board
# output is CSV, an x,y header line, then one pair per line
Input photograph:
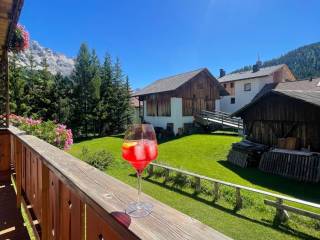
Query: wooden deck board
x,y
11,222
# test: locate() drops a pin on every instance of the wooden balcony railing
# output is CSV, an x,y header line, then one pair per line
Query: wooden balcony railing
x,y
66,198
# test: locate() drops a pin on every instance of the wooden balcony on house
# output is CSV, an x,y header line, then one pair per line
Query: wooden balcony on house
x,y
66,198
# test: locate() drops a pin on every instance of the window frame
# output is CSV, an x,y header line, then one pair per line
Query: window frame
x,y
247,89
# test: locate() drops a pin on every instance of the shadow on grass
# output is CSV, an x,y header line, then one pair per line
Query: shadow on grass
x,y
81,139
306,191
162,140
266,223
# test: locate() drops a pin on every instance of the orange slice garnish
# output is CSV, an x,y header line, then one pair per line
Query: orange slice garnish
x,y
129,144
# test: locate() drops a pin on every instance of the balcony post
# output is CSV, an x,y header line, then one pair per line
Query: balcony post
x,y
17,149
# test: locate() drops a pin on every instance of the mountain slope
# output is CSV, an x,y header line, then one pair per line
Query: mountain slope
x,y
304,61
56,62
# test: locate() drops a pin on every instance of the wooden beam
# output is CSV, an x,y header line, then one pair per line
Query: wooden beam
x,y
6,79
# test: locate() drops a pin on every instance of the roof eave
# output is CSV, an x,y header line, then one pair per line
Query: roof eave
x,y
241,79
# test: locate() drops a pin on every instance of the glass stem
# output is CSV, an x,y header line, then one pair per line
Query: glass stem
x,y
139,186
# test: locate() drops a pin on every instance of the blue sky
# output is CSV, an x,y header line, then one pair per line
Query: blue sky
x,y
158,38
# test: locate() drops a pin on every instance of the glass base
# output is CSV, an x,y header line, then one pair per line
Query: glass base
x,y
138,210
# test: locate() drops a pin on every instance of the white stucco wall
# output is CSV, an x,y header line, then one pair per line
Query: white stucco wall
x,y
176,117
242,97
217,105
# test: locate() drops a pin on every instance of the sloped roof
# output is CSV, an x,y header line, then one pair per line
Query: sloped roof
x,y
266,71
304,90
172,83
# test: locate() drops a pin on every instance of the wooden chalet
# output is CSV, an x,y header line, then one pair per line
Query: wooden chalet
x,y
175,100
63,197
285,116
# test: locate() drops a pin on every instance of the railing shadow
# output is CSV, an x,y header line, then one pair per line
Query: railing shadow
x,y
305,191
266,223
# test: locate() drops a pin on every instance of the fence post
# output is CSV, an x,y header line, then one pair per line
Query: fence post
x,y
238,199
150,170
215,191
197,185
281,215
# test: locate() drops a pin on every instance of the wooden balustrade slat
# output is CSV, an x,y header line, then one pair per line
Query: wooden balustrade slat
x,y
91,187
45,231
18,168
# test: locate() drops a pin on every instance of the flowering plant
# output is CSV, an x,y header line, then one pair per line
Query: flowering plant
x,y
20,39
51,132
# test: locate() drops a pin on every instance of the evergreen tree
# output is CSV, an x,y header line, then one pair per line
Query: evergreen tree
x,y
82,78
107,97
43,92
94,90
17,83
95,100
122,100
62,106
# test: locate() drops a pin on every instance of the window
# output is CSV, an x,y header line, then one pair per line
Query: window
x,y
232,100
225,85
232,85
247,87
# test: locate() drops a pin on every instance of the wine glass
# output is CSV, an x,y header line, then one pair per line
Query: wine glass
x,y
139,149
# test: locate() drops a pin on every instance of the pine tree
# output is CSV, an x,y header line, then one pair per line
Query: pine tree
x,y
121,88
81,77
94,90
107,94
17,83
43,91
62,106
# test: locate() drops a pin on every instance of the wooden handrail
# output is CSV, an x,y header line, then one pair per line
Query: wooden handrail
x,y
223,117
60,188
270,194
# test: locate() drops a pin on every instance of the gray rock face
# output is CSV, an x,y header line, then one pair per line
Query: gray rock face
x,y
57,62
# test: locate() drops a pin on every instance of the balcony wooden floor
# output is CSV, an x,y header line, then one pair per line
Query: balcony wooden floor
x,y
11,222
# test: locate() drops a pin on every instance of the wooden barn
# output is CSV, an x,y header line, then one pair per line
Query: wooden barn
x,y
285,116
174,101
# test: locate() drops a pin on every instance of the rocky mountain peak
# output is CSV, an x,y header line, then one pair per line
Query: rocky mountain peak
x,y
57,62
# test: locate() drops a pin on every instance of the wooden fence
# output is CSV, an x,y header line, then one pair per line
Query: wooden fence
x,y
66,198
304,167
278,204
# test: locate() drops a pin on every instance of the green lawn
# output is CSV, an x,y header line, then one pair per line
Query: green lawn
x,y
206,154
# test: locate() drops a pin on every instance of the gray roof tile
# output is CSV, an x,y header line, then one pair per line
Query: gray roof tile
x,y
172,83
249,74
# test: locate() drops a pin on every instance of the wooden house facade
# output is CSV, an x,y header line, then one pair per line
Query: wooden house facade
x,y
290,109
285,117
176,100
244,86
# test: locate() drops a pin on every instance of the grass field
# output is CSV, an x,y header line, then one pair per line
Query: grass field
x,y
206,155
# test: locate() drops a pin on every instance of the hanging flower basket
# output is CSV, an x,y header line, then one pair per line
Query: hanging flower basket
x,y
20,40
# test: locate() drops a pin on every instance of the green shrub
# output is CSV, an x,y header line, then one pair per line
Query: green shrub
x,y
101,160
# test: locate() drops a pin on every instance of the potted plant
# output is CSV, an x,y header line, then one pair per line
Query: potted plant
x,y
20,39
